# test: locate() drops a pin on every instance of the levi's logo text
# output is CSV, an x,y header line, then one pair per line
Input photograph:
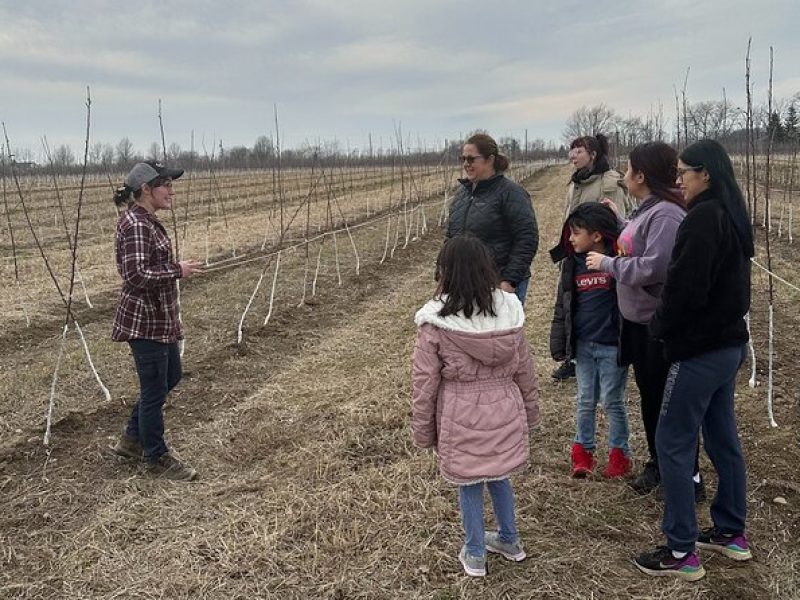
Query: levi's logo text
x,y
586,282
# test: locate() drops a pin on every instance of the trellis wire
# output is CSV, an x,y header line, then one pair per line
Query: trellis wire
x,y
236,262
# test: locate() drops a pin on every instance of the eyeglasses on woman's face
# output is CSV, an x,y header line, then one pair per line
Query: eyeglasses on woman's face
x,y
683,170
694,185
469,159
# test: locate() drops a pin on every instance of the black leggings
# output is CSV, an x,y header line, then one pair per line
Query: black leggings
x,y
650,369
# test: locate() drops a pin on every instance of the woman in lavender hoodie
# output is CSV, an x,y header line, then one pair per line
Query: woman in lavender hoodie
x,y
640,269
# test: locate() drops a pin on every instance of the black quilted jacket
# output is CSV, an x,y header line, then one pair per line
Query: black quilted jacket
x,y
498,212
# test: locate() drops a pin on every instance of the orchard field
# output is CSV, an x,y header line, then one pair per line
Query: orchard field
x,y
310,486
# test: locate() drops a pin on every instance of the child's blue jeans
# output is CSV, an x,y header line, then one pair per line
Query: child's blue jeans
x,y
470,498
600,380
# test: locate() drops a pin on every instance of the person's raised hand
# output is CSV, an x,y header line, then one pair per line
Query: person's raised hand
x,y
190,267
610,204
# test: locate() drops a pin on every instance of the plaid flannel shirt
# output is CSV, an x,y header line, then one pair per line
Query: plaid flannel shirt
x,y
148,303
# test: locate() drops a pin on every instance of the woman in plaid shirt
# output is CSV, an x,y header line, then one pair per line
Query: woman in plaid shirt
x,y
147,315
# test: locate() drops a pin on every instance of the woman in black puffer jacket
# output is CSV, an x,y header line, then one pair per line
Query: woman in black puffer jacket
x,y
497,211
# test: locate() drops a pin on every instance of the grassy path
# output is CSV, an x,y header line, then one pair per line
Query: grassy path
x,y
311,486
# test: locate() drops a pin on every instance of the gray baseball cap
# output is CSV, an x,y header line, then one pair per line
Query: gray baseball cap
x,y
145,172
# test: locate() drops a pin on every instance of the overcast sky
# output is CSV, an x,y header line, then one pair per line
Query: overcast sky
x,y
344,68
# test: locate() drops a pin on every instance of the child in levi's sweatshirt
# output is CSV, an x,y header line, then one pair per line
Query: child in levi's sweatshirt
x,y
475,393
586,327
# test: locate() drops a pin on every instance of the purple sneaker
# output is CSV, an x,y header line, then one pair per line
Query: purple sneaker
x,y
662,563
730,545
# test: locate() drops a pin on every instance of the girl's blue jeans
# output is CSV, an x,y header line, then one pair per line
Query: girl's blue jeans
x,y
471,501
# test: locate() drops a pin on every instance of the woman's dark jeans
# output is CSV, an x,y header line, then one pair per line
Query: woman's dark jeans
x,y
159,368
700,393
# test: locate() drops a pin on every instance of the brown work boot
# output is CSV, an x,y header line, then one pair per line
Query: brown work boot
x,y
128,447
169,467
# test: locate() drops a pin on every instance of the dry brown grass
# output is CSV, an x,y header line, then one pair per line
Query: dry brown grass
x,y
310,484
232,214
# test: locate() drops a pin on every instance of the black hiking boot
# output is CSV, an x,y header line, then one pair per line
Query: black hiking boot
x,y
564,371
647,481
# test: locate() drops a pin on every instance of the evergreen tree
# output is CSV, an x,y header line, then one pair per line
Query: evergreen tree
x,y
791,124
775,130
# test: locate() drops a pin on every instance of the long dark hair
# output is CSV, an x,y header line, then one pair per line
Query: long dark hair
x,y
711,156
488,147
467,277
658,162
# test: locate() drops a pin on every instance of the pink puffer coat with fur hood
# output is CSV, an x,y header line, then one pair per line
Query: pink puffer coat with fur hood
x,y
475,392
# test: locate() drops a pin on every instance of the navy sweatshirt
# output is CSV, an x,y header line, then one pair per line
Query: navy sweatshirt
x,y
596,314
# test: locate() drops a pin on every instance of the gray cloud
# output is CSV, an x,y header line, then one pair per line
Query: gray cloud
x,y
348,68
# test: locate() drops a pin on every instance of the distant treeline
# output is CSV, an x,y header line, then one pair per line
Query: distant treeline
x,y
104,157
717,119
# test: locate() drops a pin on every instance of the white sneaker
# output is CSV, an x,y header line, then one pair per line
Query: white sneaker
x,y
474,566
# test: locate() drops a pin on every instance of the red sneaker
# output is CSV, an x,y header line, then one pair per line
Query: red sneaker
x,y
582,461
618,465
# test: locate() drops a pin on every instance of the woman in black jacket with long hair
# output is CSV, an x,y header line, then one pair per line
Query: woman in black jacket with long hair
x,y
701,322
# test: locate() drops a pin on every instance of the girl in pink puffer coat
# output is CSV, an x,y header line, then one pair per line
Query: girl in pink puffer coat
x,y
475,393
